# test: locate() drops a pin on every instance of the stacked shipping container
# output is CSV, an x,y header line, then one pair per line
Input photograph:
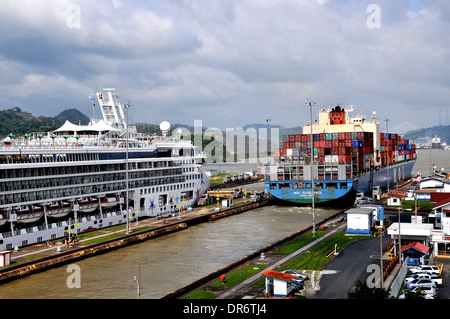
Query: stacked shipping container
x,y
342,147
395,149
356,148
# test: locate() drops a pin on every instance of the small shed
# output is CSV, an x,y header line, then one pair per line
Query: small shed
x,y
278,284
5,258
396,198
414,252
360,220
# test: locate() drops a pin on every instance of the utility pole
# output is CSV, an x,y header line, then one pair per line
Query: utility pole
x,y
311,104
127,106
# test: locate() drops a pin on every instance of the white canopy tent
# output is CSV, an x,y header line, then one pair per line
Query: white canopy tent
x,y
99,126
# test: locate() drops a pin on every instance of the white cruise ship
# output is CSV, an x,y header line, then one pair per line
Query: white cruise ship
x,y
75,178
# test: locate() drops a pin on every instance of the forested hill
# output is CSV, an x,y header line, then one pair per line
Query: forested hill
x,y
442,131
19,122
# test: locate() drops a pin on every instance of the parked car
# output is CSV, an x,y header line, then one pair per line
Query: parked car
x,y
420,282
296,273
426,268
427,292
431,291
297,287
424,275
298,281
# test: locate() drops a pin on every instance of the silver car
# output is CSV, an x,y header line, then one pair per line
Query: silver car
x,y
296,273
420,282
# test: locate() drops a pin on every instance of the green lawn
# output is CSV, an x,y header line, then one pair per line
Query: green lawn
x,y
316,258
311,260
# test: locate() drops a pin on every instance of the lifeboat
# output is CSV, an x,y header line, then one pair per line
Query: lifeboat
x,y
27,215
108,202
88,205
58,209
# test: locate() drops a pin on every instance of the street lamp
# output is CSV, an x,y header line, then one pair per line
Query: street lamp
x,y
311,104
269,144
127,106
431,146
387,171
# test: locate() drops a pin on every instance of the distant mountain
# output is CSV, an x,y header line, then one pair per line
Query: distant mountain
x,y
442,131
20,122
74,116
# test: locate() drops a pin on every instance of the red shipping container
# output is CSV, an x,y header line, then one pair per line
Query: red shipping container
x,y
305,138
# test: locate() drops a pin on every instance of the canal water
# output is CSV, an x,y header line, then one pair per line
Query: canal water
x,y
173,261
170,262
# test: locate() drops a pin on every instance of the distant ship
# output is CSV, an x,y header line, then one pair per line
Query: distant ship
x,y
436,142
79,178
350,156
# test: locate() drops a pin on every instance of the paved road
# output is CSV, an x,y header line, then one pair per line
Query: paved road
x,y
350,265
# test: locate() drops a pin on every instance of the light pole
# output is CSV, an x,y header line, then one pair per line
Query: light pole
x,y
431,146
127,106
269,144
380,227
311,104
399,240
387,171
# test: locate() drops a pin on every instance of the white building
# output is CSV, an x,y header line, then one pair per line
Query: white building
x,y
278,284
360,220
435,183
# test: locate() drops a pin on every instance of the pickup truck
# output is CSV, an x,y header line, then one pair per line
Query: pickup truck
x,y
411,278
426,268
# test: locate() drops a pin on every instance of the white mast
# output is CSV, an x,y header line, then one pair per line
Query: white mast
x,y
112,110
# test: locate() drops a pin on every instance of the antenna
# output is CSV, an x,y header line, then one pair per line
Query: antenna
x,y
92,97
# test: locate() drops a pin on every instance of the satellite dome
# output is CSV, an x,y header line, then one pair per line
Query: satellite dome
x,y
164,127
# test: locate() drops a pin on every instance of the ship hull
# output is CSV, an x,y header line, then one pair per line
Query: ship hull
x,y
339,192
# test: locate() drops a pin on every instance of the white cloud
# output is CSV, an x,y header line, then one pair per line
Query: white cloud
x,y
228,62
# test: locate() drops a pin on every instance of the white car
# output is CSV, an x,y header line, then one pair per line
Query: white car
x,y
426,268
420,282
427,292
424,275
296,273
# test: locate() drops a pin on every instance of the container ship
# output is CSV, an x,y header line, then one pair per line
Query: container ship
x,y
78,178
350,156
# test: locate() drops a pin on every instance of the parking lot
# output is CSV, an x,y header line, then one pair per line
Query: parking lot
x,y
443,291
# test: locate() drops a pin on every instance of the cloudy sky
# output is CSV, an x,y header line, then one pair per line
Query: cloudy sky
x,y
229,62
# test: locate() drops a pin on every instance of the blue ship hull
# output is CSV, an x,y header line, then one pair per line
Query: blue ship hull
x,y
331,191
